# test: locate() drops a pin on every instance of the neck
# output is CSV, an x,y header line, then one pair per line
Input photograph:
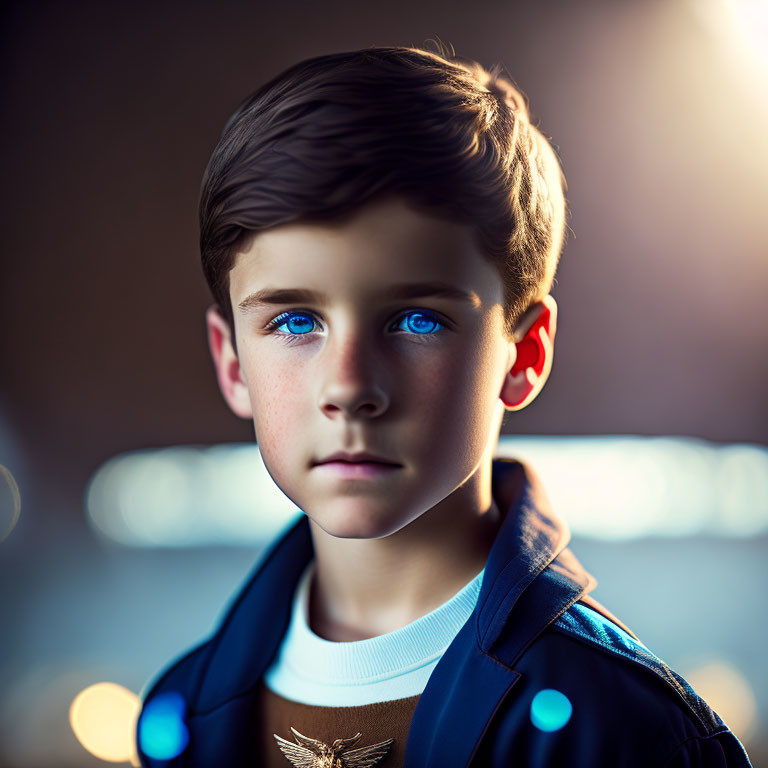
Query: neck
x,y
364,588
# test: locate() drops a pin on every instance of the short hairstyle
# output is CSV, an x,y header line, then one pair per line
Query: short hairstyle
x,y
333,132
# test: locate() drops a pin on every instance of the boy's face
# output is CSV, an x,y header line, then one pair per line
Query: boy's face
x,y
414,380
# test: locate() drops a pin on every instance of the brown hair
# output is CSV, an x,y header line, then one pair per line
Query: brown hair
x,y
332,132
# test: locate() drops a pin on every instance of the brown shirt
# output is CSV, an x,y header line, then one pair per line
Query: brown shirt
x,y
376,722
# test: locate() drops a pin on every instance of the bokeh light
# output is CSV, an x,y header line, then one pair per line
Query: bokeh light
x,y
163,734
10,503
187,496
726,689
104,717
664,486
550,710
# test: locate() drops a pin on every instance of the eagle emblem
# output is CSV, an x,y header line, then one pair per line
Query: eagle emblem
x,y
313,753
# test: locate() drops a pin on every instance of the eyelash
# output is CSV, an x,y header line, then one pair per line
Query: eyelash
x,y
290,338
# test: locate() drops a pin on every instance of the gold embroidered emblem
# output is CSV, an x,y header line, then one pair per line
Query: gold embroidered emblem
x,y
313,753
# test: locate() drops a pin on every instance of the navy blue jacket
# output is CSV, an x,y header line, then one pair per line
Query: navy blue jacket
x,y
534,629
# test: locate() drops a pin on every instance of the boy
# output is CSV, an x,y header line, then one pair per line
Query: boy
x,y
380,230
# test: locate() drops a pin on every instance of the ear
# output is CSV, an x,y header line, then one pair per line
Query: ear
x,y
531,354
231,380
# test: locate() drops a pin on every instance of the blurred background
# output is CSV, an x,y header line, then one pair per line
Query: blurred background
x,y
127,487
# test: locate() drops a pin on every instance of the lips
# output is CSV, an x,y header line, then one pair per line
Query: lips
x,y
358,458
357,470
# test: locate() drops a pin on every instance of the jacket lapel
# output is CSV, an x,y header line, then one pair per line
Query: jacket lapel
x,y
254,627
530,579
463,692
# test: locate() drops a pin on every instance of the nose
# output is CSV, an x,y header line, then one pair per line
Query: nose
x,y
352,379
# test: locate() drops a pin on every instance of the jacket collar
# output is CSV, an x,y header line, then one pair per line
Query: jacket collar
x,y
529,540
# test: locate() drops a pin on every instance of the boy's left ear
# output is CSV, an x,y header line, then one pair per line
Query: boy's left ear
x,y
531,354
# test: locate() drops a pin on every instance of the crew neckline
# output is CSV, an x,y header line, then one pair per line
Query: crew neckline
x,y
376,658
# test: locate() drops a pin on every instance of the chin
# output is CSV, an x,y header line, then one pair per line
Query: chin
x,y
354,526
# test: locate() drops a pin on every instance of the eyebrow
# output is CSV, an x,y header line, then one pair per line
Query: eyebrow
x,y
268,296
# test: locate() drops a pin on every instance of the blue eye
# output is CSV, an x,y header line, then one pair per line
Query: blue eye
x,y
424,321
300,323
289,319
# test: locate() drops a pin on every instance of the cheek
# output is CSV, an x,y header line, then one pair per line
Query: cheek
x,y
458,400
447,402
278,401
466,376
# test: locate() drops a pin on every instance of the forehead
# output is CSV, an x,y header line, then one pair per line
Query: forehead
x,y
382,245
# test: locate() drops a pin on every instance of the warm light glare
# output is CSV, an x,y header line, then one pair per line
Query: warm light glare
x,y
741,25
750,19
103,717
